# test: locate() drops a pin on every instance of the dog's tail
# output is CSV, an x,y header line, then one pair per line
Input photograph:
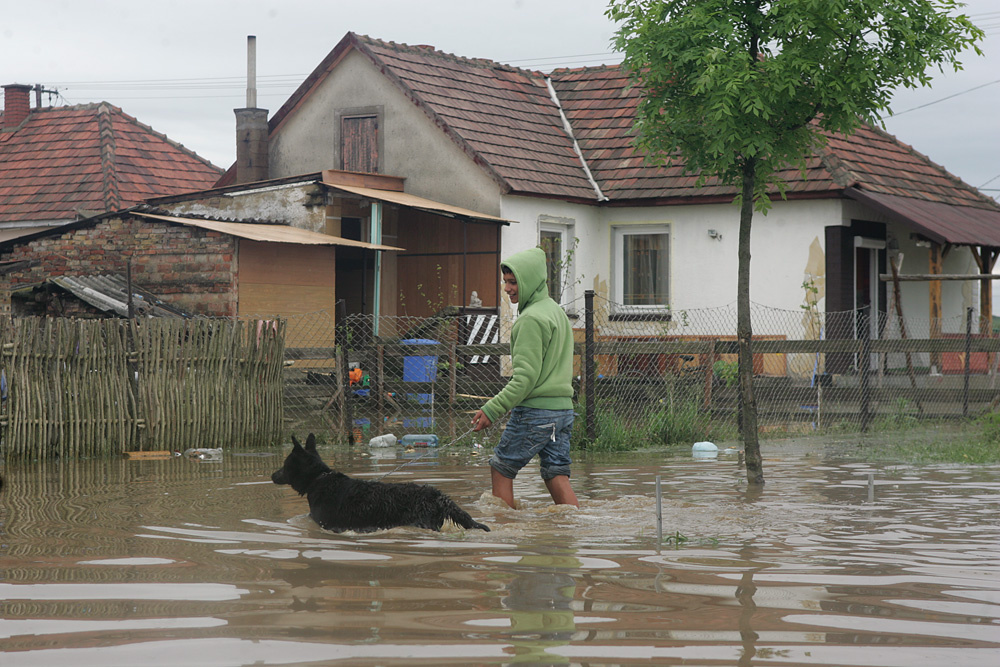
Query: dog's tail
x,y
463,519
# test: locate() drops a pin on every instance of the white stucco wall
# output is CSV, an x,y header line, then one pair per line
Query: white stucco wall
x,y
412,146
702,269
590,257
787,249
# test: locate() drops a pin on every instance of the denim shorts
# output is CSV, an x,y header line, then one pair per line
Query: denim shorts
x,y
533,431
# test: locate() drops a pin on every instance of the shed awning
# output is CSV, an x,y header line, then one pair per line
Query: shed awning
x,y
270,233
943,223
413,201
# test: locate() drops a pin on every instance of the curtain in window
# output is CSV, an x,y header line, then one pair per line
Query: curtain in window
x,y
551,243
645,269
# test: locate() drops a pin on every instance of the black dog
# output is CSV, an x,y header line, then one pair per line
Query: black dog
x,y
338,502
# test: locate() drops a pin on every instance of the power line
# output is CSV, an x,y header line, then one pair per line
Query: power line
x,y
922,106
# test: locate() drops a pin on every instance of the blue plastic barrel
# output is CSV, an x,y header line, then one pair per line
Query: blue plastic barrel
x,y
419,369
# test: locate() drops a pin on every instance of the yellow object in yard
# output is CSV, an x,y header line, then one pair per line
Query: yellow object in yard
x,y
135,456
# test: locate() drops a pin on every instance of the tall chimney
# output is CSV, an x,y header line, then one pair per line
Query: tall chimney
x,y
16,104
251,71
251,127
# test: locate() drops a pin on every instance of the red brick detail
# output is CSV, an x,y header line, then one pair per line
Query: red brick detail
x,y
189,268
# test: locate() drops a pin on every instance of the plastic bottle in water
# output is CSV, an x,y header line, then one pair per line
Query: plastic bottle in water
x,y
419,440
384,440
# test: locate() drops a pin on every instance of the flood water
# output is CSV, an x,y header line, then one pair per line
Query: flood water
x,y
186,562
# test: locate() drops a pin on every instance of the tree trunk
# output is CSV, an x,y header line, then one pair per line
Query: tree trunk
x,y
744,333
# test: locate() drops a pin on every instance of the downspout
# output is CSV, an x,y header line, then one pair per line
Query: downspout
x,y
376,237
576,146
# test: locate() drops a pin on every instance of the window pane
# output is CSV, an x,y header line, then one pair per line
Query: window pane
x,y
645,269
551,243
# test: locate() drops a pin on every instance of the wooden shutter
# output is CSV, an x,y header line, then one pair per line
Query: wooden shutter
x,y
359,144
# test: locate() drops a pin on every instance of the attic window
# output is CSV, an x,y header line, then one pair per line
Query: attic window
x,y
359,143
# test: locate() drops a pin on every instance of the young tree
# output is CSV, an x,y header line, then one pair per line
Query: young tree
x,y
739,89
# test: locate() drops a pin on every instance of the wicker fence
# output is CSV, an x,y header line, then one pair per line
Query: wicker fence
x,y
662,379
98,387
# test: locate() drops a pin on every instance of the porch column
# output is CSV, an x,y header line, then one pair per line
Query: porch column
x,y
376,237
986,258
934,261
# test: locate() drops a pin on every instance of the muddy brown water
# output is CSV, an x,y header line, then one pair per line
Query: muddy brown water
x,y
185,562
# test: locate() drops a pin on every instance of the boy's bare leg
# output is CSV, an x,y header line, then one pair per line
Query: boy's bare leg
x,y
503,487
560,490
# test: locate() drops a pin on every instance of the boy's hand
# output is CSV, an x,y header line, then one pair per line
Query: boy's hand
x,y
480,421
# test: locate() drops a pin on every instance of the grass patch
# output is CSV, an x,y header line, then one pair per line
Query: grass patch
x,y
664,424
973,442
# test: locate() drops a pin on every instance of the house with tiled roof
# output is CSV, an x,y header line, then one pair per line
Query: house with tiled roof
x,y
552,155
61,164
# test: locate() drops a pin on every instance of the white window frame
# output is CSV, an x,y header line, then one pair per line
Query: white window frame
x,y
564,227
618,234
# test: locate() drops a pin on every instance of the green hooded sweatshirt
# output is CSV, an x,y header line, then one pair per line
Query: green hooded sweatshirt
x,y
541,344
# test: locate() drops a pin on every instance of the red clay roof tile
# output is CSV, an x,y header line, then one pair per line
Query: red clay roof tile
x,y
505,119
51,166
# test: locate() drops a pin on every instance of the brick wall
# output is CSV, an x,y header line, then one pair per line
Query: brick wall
x,y
191,268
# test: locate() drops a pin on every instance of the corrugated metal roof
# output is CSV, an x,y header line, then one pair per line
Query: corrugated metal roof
x,y
940,222
413,201
269,233
109,293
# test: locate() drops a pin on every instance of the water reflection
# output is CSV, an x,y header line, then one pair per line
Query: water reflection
x,y
174,561
538,600
745,593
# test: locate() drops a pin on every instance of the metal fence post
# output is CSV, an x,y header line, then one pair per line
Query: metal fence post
x,y
590,368
968,355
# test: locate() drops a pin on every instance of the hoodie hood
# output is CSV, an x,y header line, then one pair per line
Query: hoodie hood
x,y
528,267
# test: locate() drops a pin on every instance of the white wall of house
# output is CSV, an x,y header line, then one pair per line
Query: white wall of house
x,y
703,268
586,265
411,145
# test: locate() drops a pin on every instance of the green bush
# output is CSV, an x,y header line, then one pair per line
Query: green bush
x,y
727,371
990,423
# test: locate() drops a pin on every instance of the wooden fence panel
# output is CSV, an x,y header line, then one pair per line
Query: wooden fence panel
x,y
98,387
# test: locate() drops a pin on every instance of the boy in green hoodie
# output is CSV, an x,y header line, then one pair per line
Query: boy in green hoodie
x,y
539,394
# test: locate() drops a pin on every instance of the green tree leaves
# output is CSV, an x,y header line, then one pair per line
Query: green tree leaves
x,y
726,81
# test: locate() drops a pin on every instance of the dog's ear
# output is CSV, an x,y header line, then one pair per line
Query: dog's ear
x,y
311,443
295,443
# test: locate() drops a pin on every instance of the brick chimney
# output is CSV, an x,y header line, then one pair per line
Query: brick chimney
x,y
251,145
251,128
16,104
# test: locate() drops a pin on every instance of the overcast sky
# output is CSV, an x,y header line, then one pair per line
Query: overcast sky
x,y
179,66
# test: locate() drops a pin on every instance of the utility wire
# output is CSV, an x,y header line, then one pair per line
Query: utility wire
x,y
949,97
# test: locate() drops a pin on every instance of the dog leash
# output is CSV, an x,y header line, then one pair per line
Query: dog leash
x,y
429,449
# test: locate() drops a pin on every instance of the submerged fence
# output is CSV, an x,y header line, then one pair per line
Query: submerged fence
x,y
653,376
97,387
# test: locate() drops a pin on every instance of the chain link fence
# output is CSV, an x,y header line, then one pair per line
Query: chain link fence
x,y
643,375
